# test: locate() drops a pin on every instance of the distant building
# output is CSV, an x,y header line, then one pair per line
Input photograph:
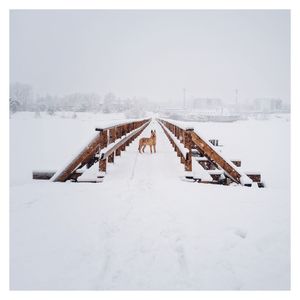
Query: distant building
x,y
268,105
207,103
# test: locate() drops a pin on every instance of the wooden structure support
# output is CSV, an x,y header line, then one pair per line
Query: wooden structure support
x,y
107,153
186,141
47,174
102,139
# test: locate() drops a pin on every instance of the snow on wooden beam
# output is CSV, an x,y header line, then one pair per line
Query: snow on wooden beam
x,y
181,141
216,157
119,144
177,143
133,124
192,139
100,140
199,172
47,174
214,142
177,124
238,163
111,148
70,167
256,177
203,159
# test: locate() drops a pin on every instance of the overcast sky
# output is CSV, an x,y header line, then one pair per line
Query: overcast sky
x,y
153,53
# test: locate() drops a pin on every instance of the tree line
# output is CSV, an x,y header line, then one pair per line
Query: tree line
x,y
23,98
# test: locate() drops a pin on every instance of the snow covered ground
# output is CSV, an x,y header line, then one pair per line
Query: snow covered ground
x,y
143,227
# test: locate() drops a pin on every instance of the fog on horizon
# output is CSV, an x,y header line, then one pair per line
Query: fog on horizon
x,y
153,53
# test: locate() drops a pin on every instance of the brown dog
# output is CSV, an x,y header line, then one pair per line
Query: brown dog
x,y
151,141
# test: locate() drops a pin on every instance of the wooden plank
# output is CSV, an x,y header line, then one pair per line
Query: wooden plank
x,y
188,144
87,152
102,165
103,144
215,157
238,163
256,177
42,175
214,142
46,175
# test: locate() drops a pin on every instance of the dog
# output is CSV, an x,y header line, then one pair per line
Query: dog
x,y
151,141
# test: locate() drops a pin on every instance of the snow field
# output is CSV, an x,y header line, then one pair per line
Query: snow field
x,y
143,227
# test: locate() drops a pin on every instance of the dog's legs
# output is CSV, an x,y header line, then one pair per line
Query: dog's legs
x,y
144,148
150,148
154,146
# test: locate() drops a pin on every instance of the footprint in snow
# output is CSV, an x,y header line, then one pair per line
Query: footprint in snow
x,y
240,233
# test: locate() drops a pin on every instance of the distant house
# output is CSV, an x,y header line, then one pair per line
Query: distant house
x,y
268,105
207,103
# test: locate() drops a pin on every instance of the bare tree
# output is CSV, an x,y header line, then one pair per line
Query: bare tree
x,y
23,94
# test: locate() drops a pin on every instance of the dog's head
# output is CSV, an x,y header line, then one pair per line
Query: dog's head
x,y
153,133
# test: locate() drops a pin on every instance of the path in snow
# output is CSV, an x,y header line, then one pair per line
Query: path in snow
x,y
147,167
147,226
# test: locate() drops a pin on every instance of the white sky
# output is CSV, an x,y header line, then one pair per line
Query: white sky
x,y
153,53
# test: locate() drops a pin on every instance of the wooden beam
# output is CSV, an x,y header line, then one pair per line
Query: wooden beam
x,y
238,163
103,144
256,177
135,123
84,156
121,144
188,144
46,175
215,157
87,152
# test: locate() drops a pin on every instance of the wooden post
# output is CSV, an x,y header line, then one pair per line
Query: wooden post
x,y
182,136
123,130
119,131
102,144
102,165
118,152
129,128
182,160
128,131
188,144
111,158
112,132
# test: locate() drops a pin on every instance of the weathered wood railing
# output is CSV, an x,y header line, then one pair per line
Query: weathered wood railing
x,y
114,143
185,140
180,140
107,143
